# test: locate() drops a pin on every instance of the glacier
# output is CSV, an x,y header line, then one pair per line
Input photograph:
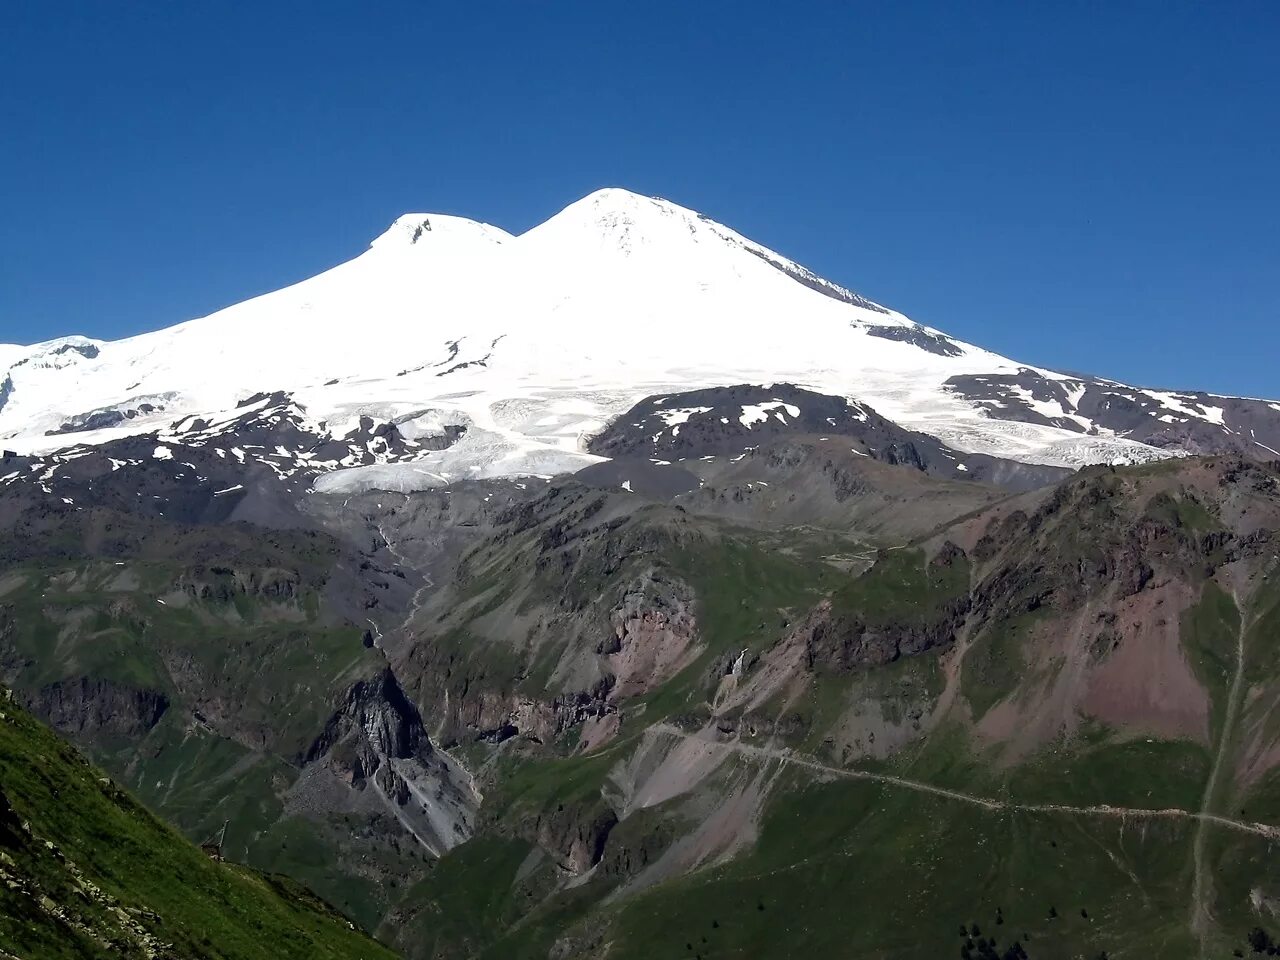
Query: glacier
x,y
534,343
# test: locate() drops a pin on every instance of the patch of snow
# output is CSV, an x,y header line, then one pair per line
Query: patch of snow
x,y
1050,409
1179,404
681,415
759,412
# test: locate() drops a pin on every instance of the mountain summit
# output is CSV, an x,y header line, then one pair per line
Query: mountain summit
x,y
529,345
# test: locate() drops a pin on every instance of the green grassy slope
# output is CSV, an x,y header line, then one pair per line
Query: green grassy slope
x,y
857,870
263,672
1046,598
974,659
88,872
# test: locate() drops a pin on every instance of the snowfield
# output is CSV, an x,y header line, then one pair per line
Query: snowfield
x,y
533,342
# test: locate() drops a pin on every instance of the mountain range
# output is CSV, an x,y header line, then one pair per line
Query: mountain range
x,y
532,343
624,589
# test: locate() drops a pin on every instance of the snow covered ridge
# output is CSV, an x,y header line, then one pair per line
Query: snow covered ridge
x,y
729,423
1182,422
267,430
536,342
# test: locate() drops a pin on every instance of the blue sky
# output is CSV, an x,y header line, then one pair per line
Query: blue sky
x,y
1086,185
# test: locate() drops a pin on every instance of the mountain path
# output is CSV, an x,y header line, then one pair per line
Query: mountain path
x,y
1200,884
989,803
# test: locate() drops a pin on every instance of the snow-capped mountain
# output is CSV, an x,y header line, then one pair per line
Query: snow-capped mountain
x,y
499,355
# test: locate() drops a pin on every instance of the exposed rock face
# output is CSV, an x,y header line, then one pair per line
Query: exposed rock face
x,y
918,336
1112,550
598,622
842,642
108,417
199,469
12,829
574,835
376,741
726,421
1191,421
85,708
804,276
496,717
857,630
383,722
223,584
654,635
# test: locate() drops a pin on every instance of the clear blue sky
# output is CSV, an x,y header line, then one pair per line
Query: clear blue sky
x,y
1087,185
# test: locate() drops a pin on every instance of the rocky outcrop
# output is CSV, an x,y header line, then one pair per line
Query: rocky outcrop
x,y
1097,535
495,716
13,829
840,642
220,584
375,741
85,708
1191,422
106,417
599,620
654,635
917,336
383,724
727,421
574,835
901,607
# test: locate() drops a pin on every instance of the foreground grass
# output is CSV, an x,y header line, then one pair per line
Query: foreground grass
x,y
853,869
94,874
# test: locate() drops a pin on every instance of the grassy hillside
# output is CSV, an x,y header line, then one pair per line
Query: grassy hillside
x,y
1050,721
1017,726
87,872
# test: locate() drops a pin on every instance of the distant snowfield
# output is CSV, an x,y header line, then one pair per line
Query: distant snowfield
x,y
534,342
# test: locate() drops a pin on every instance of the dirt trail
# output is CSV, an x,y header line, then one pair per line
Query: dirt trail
x,y
989,803
776,753
1201,886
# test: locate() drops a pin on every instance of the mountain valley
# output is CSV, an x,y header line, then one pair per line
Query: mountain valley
x,y
791,627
